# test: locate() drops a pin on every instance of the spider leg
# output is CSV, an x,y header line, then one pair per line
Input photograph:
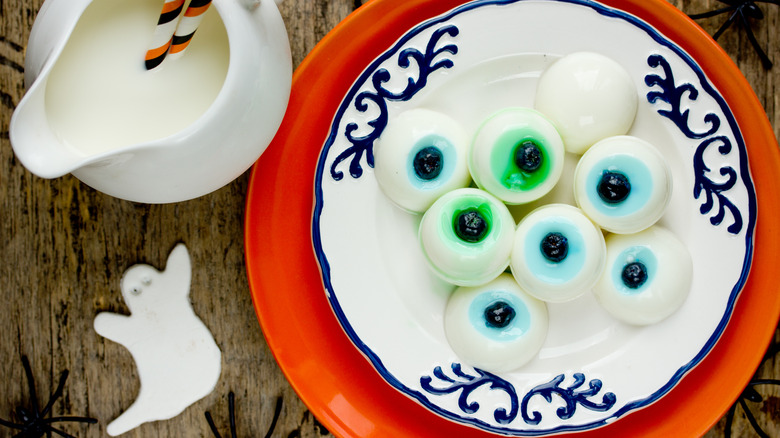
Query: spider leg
x,y
277,411
775,347
752,420
729,420
766,382
213,426
73,419
28,433
232,413
30,383
10,424
62,433
725,25
765,61
56,394
712,13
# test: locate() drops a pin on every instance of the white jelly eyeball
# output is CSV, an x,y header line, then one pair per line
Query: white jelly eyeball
x,y
647,278
558,253
516,155
420,156
623,184
466,237
495,327
588,97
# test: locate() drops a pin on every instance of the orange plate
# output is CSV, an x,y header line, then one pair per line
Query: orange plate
x,y
333,378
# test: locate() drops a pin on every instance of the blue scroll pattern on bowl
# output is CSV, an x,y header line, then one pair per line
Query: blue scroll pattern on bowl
x,y
427,64
674,95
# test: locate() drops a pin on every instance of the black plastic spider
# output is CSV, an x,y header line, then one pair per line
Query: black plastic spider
x,y
34,423
750,394
742,9
232,417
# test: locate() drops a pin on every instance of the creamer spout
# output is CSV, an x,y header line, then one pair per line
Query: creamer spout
x,y
36,146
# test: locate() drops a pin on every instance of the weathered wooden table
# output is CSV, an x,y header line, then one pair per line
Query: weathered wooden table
x,y
64,246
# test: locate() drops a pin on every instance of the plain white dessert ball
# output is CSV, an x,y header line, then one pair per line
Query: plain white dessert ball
x,y
648,276
420,156
466,237
558,253
623,184
496,327
588,97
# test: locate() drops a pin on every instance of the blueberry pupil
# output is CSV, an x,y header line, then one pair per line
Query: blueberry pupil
x,y
499,314
614,187
471,226
528,156
555,247
428,163
634,275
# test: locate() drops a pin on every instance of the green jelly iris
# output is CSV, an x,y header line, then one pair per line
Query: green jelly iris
x,y
512,172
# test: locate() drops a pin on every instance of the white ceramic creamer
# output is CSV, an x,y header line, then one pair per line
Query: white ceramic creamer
x,y
179,131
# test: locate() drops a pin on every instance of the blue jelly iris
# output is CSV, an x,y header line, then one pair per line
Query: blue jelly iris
x,y
555,250
499,315
634,269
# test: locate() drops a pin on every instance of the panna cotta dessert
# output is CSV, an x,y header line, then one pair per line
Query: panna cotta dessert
x,y
420,156
516,155
623,184
558,253
647,278
588,97
496,327
467,236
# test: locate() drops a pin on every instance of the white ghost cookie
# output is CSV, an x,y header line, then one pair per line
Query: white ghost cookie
x,y
177,359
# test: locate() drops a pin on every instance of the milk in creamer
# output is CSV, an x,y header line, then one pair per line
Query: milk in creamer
x,y
100,97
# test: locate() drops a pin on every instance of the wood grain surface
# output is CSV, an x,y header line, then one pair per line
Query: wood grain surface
x,y
64,247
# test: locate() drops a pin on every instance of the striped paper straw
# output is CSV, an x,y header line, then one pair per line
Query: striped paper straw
x,y
163,33
188,25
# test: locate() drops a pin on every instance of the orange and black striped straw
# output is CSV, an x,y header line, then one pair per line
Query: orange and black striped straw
x,y
188,25
163,33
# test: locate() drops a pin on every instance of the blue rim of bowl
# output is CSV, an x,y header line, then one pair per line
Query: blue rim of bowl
x,y
631,406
